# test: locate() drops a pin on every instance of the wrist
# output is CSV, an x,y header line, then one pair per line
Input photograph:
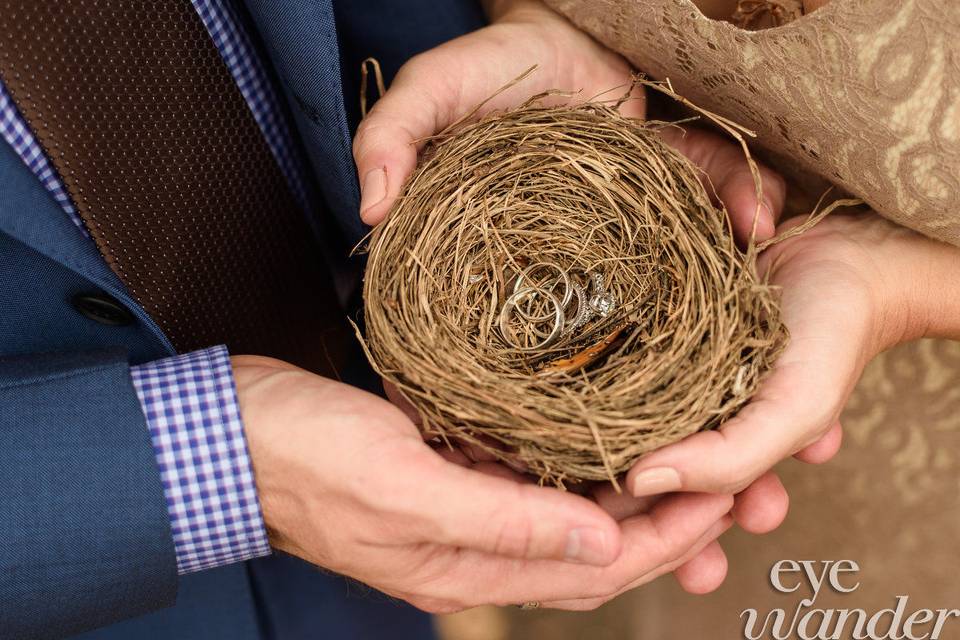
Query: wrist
x,y
934,292
922,290
517,10
266,389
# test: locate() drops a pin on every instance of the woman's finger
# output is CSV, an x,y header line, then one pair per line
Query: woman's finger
x,y
787,413
705,572
830,334
824,449
433,91
727,175
762,507
621,505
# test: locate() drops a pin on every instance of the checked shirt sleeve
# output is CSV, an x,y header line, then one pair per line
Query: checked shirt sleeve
x,y
192,411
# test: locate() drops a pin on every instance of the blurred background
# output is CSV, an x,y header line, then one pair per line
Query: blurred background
x,y
890,501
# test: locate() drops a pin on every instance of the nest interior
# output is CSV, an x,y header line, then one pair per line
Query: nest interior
x,y
580,204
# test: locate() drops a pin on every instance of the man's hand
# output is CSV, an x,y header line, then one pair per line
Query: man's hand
x,y
347,483
853,286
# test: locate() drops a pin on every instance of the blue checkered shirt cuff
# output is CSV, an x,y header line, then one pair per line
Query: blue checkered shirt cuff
x,y
193,415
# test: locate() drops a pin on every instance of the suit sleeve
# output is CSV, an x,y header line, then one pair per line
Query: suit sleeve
x,y
85,538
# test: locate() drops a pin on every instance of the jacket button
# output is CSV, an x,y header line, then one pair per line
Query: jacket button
x,y
103,309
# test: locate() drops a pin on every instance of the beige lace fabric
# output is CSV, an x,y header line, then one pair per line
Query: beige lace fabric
x,y
863,93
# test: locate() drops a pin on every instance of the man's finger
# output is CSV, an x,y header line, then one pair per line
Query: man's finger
x,y
466,508
704,569
727,174
653,544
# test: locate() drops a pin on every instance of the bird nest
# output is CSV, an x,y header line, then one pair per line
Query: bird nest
x,y
556,286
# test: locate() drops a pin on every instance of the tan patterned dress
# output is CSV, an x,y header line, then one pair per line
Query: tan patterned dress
x,y
863,93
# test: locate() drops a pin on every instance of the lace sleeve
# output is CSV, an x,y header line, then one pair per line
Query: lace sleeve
x,y
865,94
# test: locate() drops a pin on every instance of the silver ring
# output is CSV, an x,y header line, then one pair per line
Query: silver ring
x,y
511,304
583,314
564,277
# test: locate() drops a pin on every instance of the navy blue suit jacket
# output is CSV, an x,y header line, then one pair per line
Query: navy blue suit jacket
x,y
85,544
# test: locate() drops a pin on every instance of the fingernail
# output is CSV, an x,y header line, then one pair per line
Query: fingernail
x,y
588,546
768,205
656,480
765,204
374,189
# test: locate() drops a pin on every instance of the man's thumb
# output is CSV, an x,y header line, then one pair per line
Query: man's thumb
x,y
385,147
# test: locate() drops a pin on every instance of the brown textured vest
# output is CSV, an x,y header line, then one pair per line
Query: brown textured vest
x,y
171,174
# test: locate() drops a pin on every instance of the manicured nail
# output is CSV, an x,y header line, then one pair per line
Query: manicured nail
x,y
588,546
656,480
374,189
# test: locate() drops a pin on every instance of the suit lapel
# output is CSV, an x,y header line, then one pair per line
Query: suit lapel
x,y
31,215
301,39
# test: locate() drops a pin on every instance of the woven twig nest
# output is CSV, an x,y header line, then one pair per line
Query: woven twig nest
x,y
675,329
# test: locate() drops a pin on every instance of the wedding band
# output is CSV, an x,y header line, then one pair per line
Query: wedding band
x,y
527,606
535,288
510,305
528,273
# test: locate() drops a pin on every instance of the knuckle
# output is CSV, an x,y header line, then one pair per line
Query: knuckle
x,y
732,487
611,587
590,604
607,582
513,536
436,606
735,475
365,136
415,65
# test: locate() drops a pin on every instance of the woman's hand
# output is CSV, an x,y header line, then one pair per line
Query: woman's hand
x,y
852,286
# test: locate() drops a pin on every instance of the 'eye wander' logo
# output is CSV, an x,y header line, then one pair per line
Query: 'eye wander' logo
x,y
809,623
